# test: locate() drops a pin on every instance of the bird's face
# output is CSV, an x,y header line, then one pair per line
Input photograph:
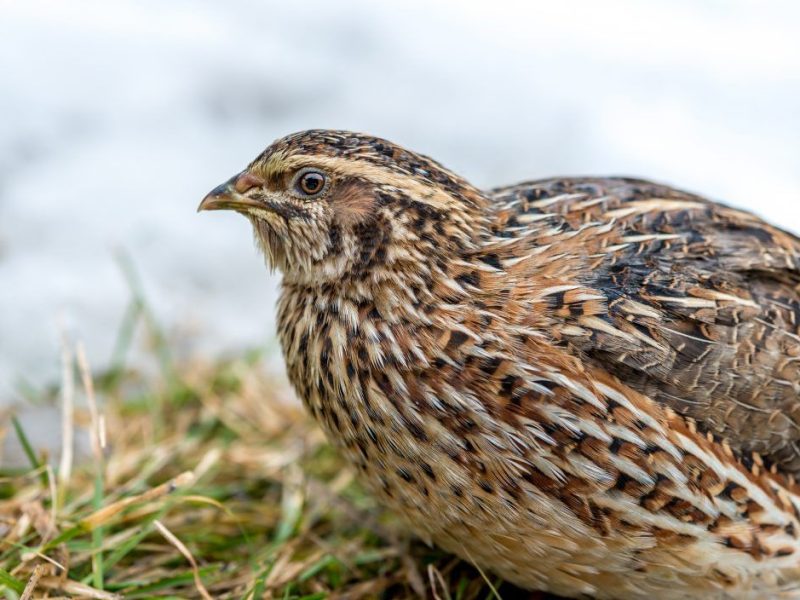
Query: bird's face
x,y
327,205
290,204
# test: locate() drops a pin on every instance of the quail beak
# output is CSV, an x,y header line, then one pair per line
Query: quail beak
x,y
230,195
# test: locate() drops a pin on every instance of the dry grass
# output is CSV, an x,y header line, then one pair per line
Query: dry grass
x,y
207,482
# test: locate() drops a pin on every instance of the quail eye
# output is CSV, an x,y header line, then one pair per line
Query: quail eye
x,y
310,183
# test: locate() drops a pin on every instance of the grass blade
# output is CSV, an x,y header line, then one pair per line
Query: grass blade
x,y
8,580
36,464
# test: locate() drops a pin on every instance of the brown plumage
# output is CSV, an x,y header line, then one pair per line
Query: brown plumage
x,y
589,386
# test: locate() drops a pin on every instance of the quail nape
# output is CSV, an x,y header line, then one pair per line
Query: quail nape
x,y
589,386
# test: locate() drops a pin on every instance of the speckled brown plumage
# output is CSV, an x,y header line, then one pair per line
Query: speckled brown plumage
x,y
589,386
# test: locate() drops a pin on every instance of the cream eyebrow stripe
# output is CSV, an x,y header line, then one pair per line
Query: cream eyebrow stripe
x,y
362,168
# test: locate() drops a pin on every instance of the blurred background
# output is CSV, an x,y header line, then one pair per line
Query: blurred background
x,y
118,116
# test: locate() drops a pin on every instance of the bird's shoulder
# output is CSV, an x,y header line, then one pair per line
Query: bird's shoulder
x,y
689,301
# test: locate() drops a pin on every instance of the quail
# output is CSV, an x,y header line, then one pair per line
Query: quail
x,y
589,386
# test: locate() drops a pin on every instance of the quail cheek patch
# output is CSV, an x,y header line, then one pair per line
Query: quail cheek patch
x,y
586,385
